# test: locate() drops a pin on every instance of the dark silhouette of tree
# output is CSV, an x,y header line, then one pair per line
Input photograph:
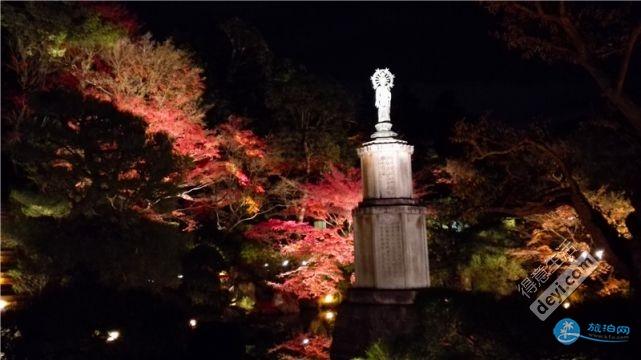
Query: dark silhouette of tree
x,y
507,172
91,155
249,67
90,168
311,121
592,36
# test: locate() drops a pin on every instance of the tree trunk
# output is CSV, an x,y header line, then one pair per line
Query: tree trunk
x,y
622,102
627,107
633,222
621,255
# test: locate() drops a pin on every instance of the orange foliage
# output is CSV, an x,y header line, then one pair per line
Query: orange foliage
x,y
552,229
305,346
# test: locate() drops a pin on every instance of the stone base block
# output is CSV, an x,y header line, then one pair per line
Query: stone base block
x,y
370,315
390,246
381,297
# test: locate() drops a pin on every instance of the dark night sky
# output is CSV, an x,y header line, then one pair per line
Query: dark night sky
x,y
433,48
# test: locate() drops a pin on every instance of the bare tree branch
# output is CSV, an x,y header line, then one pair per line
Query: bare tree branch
x,y
255,215
625,61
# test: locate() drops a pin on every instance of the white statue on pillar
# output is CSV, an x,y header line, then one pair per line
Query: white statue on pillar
x,y
390,233
383,81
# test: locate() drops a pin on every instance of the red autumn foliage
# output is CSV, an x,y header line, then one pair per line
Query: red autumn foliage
x,y
189,139
244,152
333,198
300,239
304,346
222,171
162,85
241,139
323,250
231,186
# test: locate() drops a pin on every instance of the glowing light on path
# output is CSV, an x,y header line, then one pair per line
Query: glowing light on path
x,y
328,299
330,315
113,335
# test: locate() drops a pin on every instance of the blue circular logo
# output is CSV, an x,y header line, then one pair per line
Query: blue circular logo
x,y
567,331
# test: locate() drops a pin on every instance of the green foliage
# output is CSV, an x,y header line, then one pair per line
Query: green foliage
x,y
26,281
475,257
377,351
257,254
57,48
56,23
120,250
496,273
509,223
37,205
488,267
94,33
246,303
42,34
29,274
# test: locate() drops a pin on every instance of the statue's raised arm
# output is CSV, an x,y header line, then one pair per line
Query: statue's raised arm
x,y
383,81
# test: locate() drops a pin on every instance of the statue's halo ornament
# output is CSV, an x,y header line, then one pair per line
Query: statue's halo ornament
x,y
383,77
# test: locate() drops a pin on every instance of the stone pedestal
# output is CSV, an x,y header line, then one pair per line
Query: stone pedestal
x,y
386,168
389,226
390,241
391,254
390,247
371,315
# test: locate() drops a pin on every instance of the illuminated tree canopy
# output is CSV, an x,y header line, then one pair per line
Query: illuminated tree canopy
x,y
213,178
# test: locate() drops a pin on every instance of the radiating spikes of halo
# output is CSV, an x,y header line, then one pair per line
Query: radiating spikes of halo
x,y
382,77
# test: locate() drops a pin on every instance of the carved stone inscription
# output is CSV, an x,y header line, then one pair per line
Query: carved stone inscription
x,y
390,246
387,176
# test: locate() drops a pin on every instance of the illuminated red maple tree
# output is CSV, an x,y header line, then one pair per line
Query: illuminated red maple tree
x,y
333,198
321,252
104,59
305,346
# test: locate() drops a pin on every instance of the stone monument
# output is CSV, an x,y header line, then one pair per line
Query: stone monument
x,y
390,240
